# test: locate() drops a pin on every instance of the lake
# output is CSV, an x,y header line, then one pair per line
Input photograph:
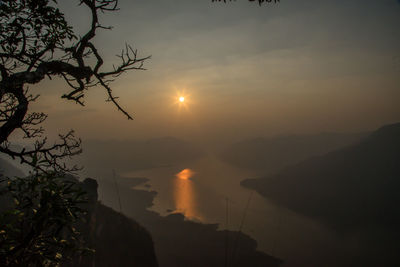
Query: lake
x,y
208,191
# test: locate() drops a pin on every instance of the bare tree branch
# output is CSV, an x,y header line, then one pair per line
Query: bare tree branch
x,y
37,42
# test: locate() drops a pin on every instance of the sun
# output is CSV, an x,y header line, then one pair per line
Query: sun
x,y
182,100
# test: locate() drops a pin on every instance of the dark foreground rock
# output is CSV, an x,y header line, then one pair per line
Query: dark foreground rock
x,y
116,239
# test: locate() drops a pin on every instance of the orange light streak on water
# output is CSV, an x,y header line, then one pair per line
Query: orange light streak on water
x,y
184,195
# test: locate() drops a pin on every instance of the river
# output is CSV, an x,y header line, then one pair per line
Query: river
x,y
208,191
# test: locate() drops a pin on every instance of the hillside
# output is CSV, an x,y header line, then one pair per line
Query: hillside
x,y
348,189
117,240
271,154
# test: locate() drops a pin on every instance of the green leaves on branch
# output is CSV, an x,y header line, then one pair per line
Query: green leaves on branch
x,y
39,228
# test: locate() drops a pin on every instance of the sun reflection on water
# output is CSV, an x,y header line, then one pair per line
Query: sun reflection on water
x,y
184,194
185,174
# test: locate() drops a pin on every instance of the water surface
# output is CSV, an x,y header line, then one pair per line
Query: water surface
x,y
209,191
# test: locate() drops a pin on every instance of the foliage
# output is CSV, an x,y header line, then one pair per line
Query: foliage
x,y
36,42
39,228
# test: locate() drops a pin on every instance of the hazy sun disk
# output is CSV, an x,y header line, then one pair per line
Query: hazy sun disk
x,y
185,174
181,99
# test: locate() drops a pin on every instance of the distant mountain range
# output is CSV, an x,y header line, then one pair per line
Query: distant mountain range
x,y
7,169
134,155
356,187
272,154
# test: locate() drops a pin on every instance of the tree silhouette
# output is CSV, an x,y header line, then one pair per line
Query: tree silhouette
x,y
38,213
37,42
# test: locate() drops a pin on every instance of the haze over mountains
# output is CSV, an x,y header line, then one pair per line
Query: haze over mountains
x,y
8,169
129,155
272,154
263,154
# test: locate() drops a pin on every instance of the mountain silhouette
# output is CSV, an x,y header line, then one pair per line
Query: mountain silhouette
x,y
272,154
135,155
356,187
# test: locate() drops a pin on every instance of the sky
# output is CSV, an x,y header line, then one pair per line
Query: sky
x,y
245,71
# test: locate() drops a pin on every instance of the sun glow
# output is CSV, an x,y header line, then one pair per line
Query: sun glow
x,y
182,100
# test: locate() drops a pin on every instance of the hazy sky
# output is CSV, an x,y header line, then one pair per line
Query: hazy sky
x,y
246,71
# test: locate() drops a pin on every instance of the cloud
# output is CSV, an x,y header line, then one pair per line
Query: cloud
x,y
247,62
